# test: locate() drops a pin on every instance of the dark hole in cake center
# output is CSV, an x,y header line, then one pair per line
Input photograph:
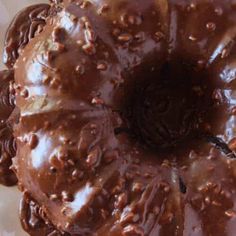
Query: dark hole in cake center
x,y
170,106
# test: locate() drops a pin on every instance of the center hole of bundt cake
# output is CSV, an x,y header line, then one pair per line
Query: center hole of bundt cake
x,y
170,106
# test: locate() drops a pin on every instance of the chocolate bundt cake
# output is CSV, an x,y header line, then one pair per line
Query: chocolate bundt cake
x,y
125,117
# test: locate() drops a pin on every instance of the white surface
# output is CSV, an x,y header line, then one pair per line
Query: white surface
x,y
9,197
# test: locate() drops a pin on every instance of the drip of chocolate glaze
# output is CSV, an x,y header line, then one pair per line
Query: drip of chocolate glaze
x,y
33,219
25,26
7,143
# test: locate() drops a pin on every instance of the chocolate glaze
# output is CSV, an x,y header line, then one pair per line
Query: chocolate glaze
x,y
93,165
7,143
26,24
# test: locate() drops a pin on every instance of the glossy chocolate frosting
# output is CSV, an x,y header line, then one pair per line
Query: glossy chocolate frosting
x,y
127,119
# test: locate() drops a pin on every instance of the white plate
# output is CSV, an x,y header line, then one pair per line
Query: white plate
x,y
9,197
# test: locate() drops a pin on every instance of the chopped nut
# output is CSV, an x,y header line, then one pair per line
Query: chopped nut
x,y
33,141
125,37
211,26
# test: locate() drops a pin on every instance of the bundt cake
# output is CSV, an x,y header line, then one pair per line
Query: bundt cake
x,y
124,118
